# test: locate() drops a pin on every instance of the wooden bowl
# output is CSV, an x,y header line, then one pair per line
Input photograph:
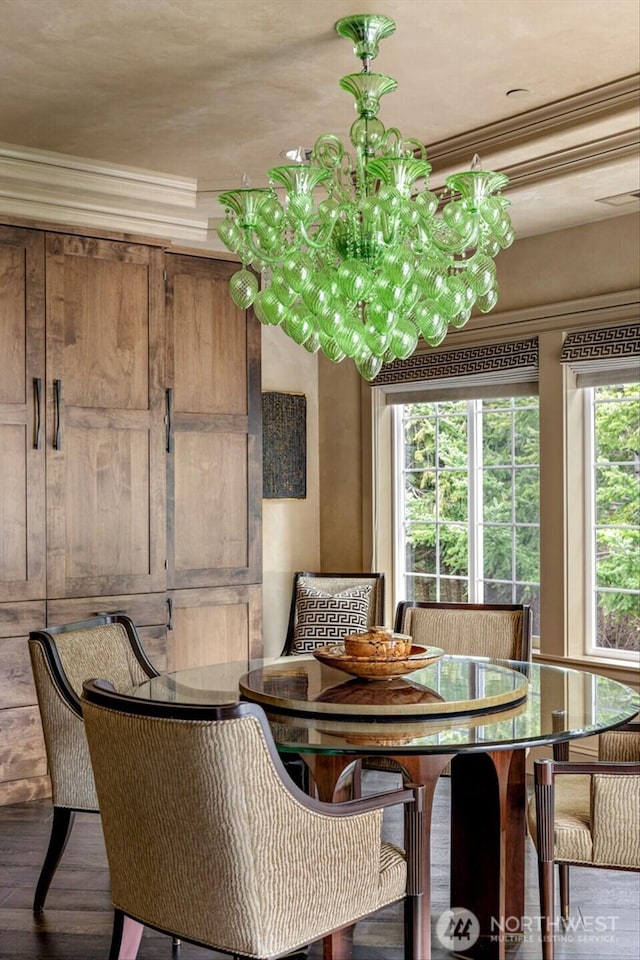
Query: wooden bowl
x,y
379,643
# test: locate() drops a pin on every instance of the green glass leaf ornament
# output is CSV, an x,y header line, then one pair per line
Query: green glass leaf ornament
x,y
388,292
312,343
431,277
298,324
328,279
285,294
429,319
453,297
298,269
389,199
487,301
460,319
381,317
354,280
456,216
331,321
349,338
398,265
268,237
411,296
258,308
481,274
377,342
403,340
271,212
230,234
317,298
331,349
491,210
369,367
426,203
300,207
469,294
258,264
507,238
243,287
490,245
274,311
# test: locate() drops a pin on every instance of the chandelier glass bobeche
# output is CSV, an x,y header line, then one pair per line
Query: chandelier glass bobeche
x,y
370,267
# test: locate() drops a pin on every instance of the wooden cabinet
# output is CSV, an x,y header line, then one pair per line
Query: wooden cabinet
x,y
146,424
22,439
214,460
105,451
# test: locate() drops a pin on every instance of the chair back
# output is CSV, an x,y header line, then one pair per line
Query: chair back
x,y
346,616
203,836
498,631
62,658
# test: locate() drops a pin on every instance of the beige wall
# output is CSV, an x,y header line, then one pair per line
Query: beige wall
x,y
291,528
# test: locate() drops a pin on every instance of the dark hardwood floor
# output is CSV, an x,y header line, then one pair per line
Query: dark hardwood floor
x,y
76,924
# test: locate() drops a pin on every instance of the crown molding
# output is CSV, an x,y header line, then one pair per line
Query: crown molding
x,y
42,185
590,106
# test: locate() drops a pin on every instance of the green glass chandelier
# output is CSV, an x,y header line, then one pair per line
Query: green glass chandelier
x,y
372,265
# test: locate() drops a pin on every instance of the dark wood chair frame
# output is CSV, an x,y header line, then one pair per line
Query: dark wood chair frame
x,y
412,796
525,650
63,817
379,611
545,772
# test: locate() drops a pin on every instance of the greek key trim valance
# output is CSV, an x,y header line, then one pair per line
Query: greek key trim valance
x,y
512,361
606,354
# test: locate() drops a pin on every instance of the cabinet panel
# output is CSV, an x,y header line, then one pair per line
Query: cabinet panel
x,y
105,442
215,625
215,450
211,471
22,476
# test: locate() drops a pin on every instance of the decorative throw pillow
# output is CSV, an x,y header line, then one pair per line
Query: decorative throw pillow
x,y
324,618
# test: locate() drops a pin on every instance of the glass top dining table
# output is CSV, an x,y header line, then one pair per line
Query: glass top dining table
x,y
479,715
454,705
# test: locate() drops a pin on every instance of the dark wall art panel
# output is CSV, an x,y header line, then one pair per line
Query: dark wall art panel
x,y
284,438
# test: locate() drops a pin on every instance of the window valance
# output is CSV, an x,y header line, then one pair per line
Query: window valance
x,y
488,370
603,355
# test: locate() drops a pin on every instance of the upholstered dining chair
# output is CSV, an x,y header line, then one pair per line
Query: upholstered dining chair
x,y
326,606
62,658
497,630
585,814
207,838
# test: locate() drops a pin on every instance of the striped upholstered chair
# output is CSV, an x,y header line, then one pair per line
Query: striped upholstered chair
x,y
586,814
497,630
62,658
207,838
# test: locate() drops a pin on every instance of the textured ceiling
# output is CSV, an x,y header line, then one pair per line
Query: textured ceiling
x,y
213,88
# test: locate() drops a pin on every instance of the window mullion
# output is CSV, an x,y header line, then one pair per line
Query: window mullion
x,y
475,508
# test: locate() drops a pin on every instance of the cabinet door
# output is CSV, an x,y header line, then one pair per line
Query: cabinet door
x,y
105,437
214,625
23,764
214,477
22,459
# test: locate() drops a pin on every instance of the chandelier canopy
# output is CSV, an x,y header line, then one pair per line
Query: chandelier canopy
x,y
367,269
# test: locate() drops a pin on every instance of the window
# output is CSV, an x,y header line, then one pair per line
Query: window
x,y
467,503
612,419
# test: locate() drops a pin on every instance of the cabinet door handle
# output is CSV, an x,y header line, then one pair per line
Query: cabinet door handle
x,y
37,391
167,418
57,396
169,613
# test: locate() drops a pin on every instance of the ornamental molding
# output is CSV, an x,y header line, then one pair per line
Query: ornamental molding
x,y
612,343
590,106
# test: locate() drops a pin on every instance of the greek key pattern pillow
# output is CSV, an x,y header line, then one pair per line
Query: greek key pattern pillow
x,y
324,618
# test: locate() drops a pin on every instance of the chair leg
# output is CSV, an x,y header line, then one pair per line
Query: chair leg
x,y
60,830
413,945
547,907
563,871
126,937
